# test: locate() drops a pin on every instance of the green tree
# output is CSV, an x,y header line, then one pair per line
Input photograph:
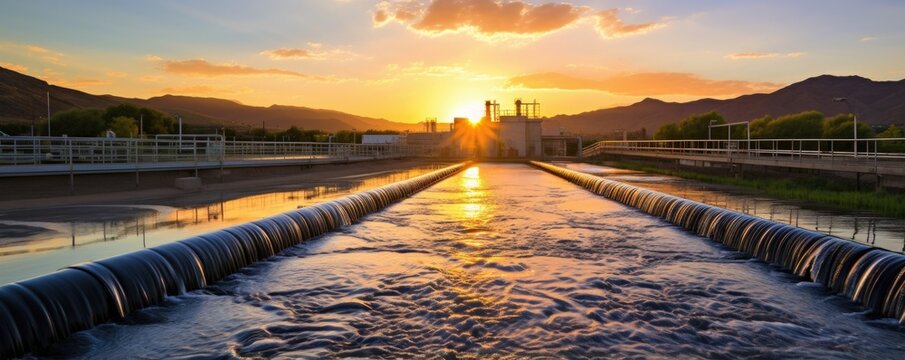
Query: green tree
x,y
78,122
668,132
891,132
124,126
804,125
759,127
696,126
153,122
842,127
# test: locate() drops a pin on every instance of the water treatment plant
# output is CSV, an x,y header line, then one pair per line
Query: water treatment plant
x,y
452,179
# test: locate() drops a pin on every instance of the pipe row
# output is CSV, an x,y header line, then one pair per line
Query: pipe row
x,y
40,311
871,276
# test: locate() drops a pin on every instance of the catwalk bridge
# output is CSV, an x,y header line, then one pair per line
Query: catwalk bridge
x,y
32,156
882,158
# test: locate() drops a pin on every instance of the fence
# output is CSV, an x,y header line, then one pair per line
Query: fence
x,y
42,150
820,149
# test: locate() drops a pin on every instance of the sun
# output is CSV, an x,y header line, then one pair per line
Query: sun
x,y
474,112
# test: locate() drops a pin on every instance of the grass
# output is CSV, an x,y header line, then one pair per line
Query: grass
x,y
815,189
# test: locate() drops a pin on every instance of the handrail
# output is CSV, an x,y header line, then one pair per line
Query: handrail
x,y
876,149
40,150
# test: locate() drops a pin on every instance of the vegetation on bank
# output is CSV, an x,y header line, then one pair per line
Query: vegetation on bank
x,y
130,121
814,189
804,125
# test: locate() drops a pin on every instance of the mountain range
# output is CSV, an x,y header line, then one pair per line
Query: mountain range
x,y
23,98
874,102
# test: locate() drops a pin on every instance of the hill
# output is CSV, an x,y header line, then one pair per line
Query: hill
x,y
23,98
875,102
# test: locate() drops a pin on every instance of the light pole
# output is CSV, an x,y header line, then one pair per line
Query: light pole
x,y
854,122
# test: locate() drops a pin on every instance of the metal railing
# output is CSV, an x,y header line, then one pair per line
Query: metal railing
x,y
40,150
877,149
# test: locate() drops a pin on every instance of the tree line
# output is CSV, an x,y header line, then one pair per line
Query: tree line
x,y
803,125
131,121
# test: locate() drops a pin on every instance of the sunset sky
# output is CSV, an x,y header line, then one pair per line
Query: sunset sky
x,y
405,60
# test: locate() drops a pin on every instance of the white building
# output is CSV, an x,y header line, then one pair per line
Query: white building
x,y
380,139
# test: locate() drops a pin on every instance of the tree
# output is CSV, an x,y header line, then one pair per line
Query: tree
x,y
759,127
153,121
696,126
804,125
692,127
842,127
668,132
891,146
78,122
124,126
891,132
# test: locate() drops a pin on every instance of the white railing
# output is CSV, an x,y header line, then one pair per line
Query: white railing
x,y
878,149
38,150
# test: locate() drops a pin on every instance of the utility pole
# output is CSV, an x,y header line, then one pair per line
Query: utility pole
x,y
141,125
854,122
48,113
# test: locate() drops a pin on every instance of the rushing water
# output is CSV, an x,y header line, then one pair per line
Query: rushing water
x,y
41,240
860,226
502,259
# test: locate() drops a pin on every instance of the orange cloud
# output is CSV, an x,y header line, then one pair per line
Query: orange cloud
x,y
314,51
78,83
200,90
763,55
489,19
287,53
14,67
200,67
644,84
492,17
609,25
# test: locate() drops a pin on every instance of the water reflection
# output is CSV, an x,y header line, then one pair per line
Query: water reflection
x,y
37,241
560,273
861,226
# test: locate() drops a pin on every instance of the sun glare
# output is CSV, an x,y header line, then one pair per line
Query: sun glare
x,y
474,112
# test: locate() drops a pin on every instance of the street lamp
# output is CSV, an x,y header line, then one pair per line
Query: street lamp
x,y
854,121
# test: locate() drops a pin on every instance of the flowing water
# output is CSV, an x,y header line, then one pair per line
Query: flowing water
x,y
861,226
502,259
38,241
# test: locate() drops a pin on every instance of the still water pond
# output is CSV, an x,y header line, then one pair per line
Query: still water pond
x,y
502,259
38,241
861,226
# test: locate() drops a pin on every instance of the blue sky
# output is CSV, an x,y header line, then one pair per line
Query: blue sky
x,y
424,59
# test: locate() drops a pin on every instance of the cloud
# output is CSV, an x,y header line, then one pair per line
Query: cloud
x,y
287,53
868,38
14,67
763,55
644,84
314,51
117,74
35,51
496,19
200,90
201,67
609,25
78,83
152,58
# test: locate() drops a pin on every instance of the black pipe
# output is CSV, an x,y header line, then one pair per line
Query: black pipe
x,y
871,276
40,311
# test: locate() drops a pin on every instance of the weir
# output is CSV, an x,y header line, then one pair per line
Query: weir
x,y
870,276
45,309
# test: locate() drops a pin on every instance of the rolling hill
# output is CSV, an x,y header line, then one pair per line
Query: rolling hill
x,y
23,98
875,102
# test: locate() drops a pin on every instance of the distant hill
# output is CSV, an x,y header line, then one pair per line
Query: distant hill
x,y
23,98
875,102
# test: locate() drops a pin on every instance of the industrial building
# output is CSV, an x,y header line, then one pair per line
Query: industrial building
x,y
509,133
